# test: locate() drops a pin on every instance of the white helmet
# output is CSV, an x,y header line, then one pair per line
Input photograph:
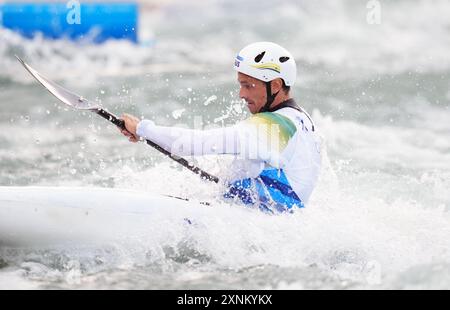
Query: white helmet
x,y
266,61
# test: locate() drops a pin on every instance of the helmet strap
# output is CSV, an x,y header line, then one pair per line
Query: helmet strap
x,y
270,97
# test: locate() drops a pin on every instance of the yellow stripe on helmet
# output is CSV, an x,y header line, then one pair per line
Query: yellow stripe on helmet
x,y
268,66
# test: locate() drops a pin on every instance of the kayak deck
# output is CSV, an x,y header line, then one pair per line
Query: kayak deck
x,y
54,215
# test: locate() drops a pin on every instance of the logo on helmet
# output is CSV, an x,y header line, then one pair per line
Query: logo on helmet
x,y
238,60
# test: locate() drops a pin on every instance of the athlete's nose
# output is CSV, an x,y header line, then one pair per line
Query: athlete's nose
x,y
242,94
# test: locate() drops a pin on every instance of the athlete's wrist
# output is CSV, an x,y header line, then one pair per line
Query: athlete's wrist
x,y
142,128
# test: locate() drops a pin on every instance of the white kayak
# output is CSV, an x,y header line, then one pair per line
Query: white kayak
x,y
36,216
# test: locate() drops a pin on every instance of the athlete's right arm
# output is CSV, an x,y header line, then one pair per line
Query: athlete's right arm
x,y
190,142
251,139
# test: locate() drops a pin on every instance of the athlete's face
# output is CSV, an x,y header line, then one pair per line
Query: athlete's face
x,y
253,91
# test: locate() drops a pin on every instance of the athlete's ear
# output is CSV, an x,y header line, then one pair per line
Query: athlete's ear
x,y
276,85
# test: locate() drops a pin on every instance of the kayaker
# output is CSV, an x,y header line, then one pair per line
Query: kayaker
x,y
277,151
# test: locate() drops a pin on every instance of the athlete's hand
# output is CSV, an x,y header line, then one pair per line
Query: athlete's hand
x,y
130,125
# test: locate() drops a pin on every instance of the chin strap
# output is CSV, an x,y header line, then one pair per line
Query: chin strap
x,y
270,98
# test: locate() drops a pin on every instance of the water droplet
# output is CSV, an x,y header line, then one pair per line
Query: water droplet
x,y
237,108
189,89
73,171
102,165
210,99
177,113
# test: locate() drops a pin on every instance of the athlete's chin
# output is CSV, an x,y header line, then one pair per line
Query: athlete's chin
x,y
252,108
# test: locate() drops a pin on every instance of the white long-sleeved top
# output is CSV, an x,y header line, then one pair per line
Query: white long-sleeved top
x,y
282,140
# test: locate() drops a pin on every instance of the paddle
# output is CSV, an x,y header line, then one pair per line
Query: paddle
x,y
81,103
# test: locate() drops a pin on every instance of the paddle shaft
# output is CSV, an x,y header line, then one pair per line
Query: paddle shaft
x,y
121,124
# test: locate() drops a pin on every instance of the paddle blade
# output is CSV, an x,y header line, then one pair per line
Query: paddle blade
x,y
69,98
